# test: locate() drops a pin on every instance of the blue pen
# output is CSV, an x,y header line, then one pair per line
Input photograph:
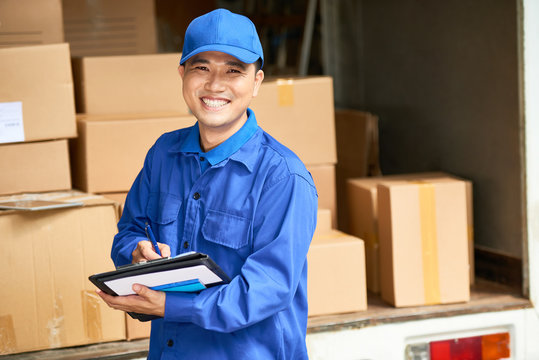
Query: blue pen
x,y
149,235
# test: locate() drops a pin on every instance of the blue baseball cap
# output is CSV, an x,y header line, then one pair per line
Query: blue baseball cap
x,y
224,31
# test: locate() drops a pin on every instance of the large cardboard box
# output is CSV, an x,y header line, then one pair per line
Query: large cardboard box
x,y
34,167
104,27
36,94
324,180
357,153
362,206
30,22
299,112
336,276
110,150
47,300
423,229
128,84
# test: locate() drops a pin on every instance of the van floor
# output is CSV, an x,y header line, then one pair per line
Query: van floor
x,y
485,297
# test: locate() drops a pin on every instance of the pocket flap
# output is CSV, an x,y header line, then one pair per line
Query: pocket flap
x,y
163,208
226,229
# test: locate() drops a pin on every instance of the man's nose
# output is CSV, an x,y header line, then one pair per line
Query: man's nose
x,y
215,82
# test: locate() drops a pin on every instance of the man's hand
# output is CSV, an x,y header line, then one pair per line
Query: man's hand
x,y
145,251
146,301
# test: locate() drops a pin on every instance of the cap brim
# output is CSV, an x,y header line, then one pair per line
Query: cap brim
x,y
243,55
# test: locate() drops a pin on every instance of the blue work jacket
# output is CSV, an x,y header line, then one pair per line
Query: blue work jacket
x,y
251,205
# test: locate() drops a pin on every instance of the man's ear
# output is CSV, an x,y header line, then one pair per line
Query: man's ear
x,y
259,77
181,70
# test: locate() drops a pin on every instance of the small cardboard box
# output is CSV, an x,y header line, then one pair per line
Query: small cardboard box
x,y
336,275
47,299
423,229
110,150
324,180
362,208
36,94
34,167
104,27
30,22
299,113
128,84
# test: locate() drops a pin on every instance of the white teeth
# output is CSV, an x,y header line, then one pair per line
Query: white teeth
x,y
214,103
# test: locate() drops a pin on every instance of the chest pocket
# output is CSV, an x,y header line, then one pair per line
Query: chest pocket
x,y
163,208
226,229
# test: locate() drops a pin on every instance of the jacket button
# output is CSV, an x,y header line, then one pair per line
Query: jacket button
x,y
185,245
170,342
196,196
202,158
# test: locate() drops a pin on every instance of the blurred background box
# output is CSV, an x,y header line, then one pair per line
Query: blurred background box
x,y
128,84
105,27
30,22
39,79
324,180
34,167
299,113
110,150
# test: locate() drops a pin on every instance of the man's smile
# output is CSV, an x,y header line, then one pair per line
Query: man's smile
x,y
214,103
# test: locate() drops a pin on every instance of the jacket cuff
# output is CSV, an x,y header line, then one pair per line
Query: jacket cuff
x,y
179,306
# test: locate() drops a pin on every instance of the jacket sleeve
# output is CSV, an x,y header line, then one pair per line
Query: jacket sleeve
x,y
283,227
132,222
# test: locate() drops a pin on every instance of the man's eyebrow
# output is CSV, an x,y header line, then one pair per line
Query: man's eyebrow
x,y
199,60
237,64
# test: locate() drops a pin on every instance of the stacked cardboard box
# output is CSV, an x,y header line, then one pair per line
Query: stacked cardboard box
x,y
408,222
37,114
47,300
336,278
102,27
30,22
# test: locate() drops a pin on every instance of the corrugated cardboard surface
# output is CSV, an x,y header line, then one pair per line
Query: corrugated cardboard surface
x,y
104,27
47,299
299,112
34,167
362,208
423,228
30,22
336,278
128,84
324,180
40,77
137,329
110,150
357,153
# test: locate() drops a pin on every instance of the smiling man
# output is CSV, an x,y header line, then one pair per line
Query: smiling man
x,y
226,188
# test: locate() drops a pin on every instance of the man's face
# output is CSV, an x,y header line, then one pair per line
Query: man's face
x,y
218,88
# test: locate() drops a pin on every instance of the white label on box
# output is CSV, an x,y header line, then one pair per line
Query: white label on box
x,y
11,125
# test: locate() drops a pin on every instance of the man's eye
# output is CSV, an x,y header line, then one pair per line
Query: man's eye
x,y
235,71
203,68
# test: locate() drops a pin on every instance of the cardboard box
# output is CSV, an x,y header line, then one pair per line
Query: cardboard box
x,y
423,229
362,206
34,167
104,27
323,222
36,94
110,150
50,303
299,113
336,277
324,180
357,153
136,329
128,84
30,22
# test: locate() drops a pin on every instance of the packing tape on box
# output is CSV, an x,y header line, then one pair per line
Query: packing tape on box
x,y
285,92
92,315
429,243
8,343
